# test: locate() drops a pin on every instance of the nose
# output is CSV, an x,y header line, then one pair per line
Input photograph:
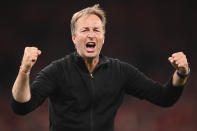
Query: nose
x,y
91,34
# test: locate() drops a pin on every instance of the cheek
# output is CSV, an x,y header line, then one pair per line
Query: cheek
x,y
102,38
101,41
79,41
100,45
78,45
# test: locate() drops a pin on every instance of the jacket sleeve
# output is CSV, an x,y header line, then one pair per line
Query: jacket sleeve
x,y
42,86
142,87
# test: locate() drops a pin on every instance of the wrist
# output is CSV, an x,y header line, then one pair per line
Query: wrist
x,y
183,76
25,70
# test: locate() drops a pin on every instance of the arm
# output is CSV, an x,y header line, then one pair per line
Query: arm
x,y
21,88
164,95
179,62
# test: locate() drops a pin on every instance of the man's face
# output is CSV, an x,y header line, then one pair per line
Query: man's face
x,y
89,36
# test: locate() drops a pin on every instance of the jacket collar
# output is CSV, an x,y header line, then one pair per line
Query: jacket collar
x,y
79,60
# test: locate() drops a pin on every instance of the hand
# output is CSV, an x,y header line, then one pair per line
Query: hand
x,y
29,58
179,62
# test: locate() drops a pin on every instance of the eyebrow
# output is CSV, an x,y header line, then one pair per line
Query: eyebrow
x,y
88,28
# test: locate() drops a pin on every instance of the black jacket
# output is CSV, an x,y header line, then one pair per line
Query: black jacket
x,y
80,101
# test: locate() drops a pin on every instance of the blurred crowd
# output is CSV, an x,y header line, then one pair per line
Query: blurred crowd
x,y
142,32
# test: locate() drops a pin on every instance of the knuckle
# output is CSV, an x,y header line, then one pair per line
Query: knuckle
x,y
182,53
35,48
173,54
27,47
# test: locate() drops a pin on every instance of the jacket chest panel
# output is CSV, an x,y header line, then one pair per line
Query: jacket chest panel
x,y
82,86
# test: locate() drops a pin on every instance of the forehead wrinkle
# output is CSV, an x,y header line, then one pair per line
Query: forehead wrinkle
x,y
86,21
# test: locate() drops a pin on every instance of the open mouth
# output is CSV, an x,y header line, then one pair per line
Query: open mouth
x,y
90,45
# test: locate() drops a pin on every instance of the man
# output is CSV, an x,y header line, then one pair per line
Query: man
x,y
85,88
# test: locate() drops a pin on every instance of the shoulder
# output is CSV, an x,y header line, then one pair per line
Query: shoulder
x,y
57,64
63,62
123,66
111,61
118,62
62,59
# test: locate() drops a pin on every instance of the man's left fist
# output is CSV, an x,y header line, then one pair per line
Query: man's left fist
x,y
179,62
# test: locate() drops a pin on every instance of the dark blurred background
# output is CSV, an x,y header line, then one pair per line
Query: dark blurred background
x,y
142,32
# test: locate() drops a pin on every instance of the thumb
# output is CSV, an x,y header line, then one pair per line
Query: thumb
x,y
172,61
39,52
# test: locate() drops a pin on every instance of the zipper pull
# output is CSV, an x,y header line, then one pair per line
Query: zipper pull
x,y
91,76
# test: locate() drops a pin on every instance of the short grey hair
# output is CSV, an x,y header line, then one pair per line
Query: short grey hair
x,y
96,10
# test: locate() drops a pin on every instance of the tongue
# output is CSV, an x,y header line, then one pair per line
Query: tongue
x,y
90,49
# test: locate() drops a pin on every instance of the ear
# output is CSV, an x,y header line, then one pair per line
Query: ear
x,y
103,39
73,38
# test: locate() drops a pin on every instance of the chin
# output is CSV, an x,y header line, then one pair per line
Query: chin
x,y
90,56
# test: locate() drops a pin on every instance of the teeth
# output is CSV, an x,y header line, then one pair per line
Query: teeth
x,y
90,44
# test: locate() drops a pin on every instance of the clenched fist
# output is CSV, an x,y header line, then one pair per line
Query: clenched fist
x,y
29,58
179,62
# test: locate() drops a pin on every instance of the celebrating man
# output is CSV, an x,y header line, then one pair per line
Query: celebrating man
x,y
85,88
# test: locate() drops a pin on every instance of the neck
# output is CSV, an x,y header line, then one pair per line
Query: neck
x,y
91,63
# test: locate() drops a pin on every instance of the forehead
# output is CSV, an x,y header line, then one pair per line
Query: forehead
x,y
89,21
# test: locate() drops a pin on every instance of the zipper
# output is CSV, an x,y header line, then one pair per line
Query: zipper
x,y
92,103
92,97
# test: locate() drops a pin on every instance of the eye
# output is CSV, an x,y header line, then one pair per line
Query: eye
x,y
84,30
96,30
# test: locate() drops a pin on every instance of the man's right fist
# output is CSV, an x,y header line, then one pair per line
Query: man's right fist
x,y
29,58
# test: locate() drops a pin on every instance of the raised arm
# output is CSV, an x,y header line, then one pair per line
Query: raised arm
x,y
21,87
179,62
